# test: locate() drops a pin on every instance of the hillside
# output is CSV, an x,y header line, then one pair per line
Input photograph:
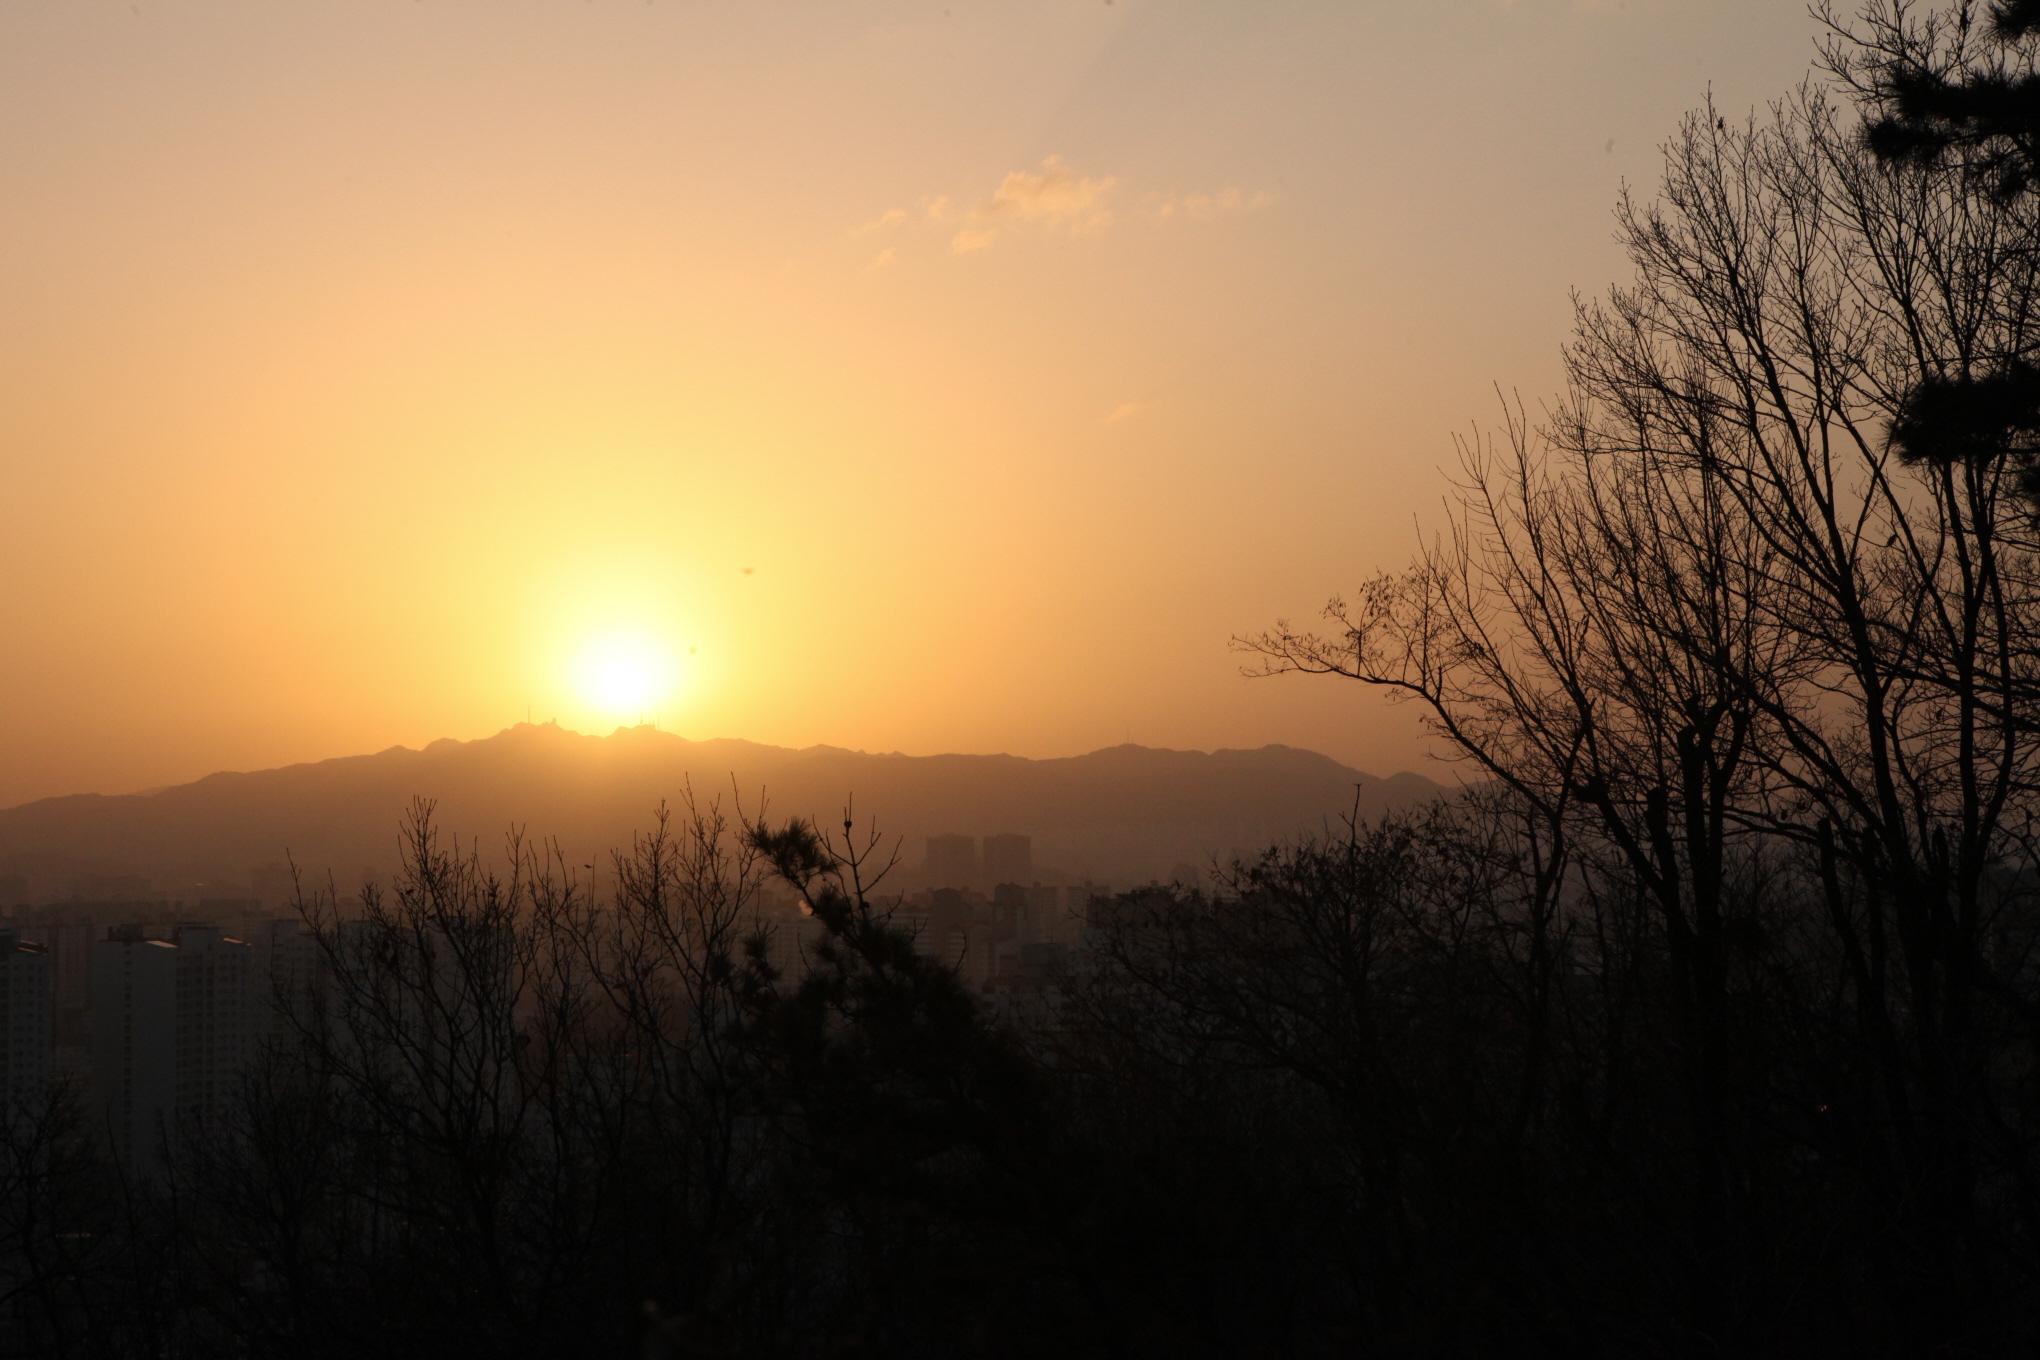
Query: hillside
x,y
1118,815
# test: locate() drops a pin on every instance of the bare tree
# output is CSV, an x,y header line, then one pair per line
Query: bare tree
x,y
1705,618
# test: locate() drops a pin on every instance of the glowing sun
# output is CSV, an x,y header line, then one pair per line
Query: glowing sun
x,y
625,674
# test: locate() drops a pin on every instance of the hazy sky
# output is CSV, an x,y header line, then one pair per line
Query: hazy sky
x,y
934,375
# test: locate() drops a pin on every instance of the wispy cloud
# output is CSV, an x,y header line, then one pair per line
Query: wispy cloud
x,y
1125,412
1055,199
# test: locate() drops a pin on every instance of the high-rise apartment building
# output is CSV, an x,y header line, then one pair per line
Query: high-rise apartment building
x,y
24,1021
283,970
70,953
170,1032
134,1041
1014,917
1052,915
212,1022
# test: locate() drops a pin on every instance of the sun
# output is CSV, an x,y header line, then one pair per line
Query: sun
x,y
625,674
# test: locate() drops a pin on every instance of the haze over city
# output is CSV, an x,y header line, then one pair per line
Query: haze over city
x,y
923,377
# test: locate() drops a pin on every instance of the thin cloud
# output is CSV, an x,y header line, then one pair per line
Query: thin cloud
x,y
1058,200
1126,412
1053,196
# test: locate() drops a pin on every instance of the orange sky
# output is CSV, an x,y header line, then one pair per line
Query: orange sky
x,y
363,365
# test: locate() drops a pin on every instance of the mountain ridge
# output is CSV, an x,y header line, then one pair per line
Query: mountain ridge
x,y
1120,813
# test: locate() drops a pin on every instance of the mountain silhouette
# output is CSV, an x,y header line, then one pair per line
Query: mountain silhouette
x,y
1119,815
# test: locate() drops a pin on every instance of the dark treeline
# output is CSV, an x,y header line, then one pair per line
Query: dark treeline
x,y
1391,1092
1706,1022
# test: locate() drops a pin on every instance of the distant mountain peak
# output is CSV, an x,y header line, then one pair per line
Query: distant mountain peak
x,y
1117,814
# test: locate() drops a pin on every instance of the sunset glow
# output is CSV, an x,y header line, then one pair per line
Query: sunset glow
x,y
1084,677
626,676
366,366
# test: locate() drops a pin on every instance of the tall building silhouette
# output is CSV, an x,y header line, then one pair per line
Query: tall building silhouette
x,y
213,996
25,1037
134,1041
170,1032
283,974
70,953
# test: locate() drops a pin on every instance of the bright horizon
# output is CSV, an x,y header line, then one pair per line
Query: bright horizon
x,y
914,376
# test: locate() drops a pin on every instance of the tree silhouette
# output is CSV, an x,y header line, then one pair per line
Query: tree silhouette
x,y
1951,86
1749,670
1958,91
